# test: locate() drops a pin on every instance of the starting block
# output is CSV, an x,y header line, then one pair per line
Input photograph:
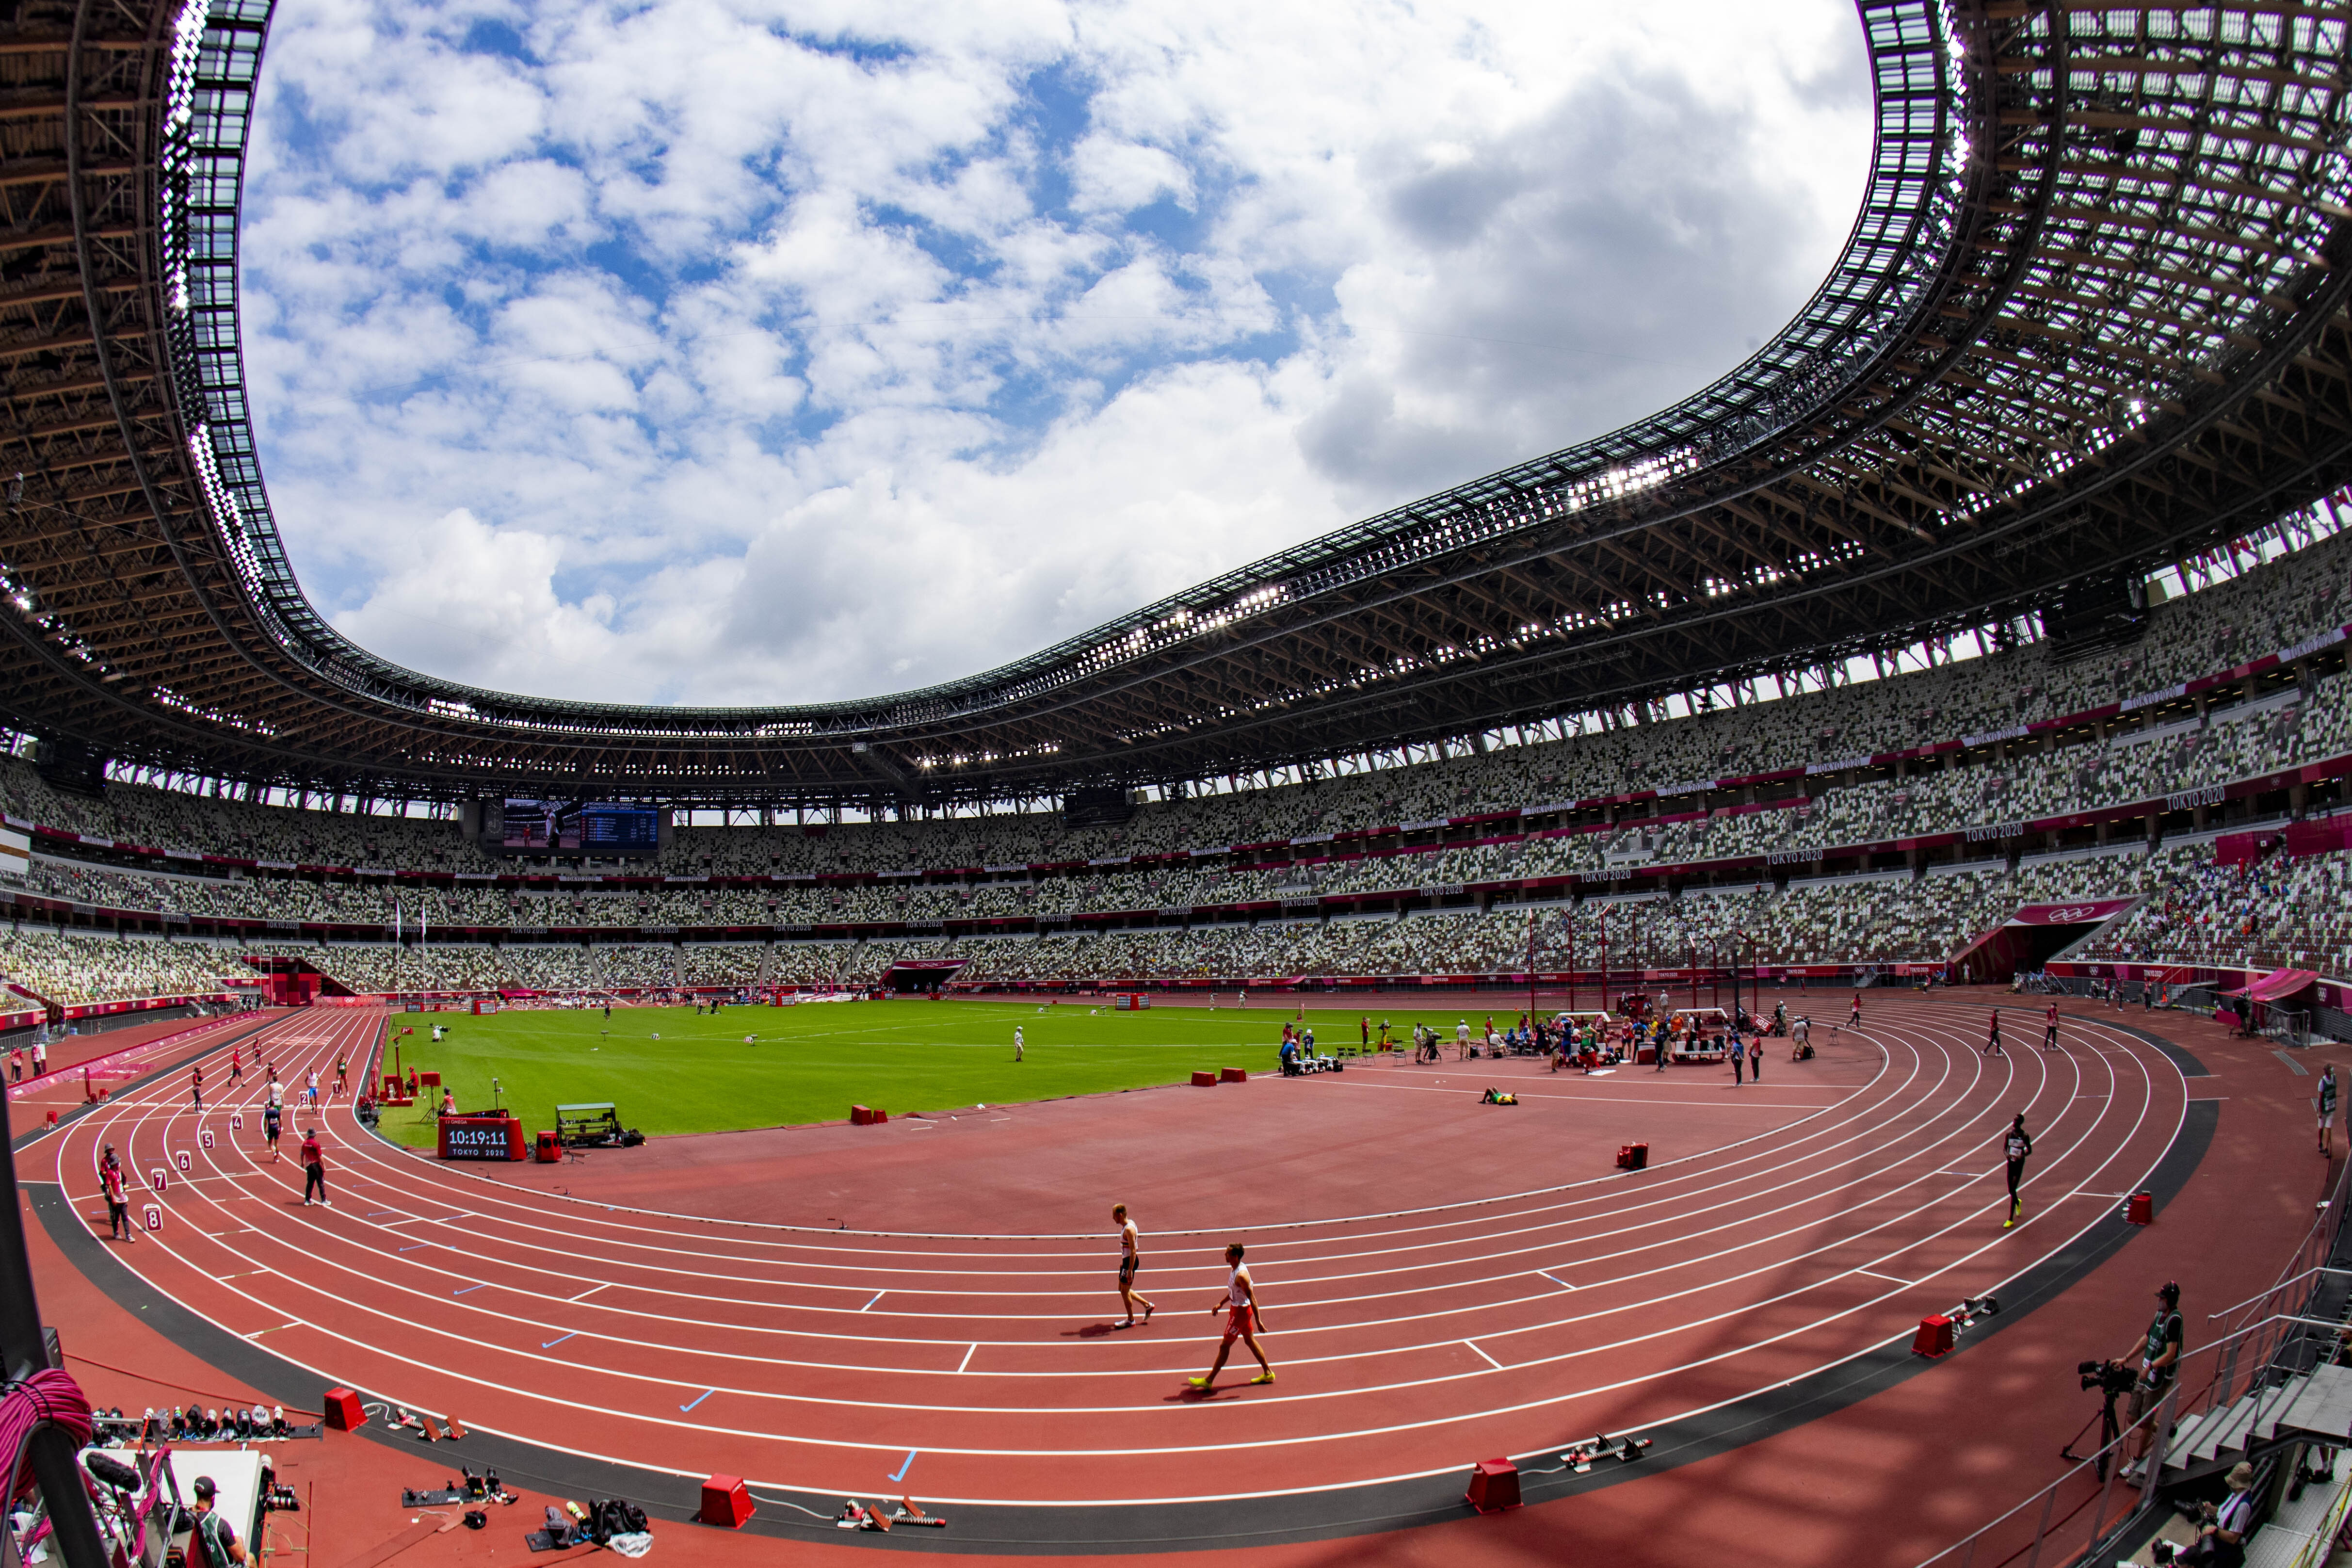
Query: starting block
x,y
2141,1208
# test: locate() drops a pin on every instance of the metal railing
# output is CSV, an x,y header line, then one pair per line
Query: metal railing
x,y
2273,1344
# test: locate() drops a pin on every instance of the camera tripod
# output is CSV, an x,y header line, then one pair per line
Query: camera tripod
x,y
2110,1429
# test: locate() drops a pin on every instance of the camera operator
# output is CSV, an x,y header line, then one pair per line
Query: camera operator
x,y
2158,1356
2222,1540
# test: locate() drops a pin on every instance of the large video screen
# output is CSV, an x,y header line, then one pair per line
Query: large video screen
x,y
603,829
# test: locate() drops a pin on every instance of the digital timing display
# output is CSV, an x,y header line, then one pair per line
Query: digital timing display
x,y
470,1140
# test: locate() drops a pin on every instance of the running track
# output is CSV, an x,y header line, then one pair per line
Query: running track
x,y
1408,1341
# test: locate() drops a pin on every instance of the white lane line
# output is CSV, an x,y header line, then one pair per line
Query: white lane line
x,y
1692,1104
1556,1280
967,1358
2108,1158
1482,1356
878,1296
588,1292
1874,1274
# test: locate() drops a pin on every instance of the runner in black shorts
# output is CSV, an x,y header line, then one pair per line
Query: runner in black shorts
x,y
1130,1258
270,1128
2015,1145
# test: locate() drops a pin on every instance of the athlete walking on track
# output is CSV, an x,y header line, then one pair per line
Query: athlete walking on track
x,y
2327,1110
1242,1321
2014,1147
117,1198
196,1085
1991,1047
2050,1028
1018,1045
1130,1258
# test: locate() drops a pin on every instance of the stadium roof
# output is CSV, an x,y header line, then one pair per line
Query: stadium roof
x,y
2091,320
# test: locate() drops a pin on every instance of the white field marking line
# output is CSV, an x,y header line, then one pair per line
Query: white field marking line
x,y
588,1292
1603,1191
1598,1313
703,1294
868,1447
1681,1213
481,1178
1691,1104
878,1296
1874,1274
967,1357
1556,1280
1482,1356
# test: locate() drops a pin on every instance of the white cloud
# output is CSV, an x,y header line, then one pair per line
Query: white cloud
x,y
768,353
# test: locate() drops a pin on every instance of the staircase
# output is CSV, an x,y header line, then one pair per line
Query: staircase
x,y
2314,1407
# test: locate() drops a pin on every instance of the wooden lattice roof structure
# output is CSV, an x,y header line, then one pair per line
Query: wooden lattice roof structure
x,y
2092,318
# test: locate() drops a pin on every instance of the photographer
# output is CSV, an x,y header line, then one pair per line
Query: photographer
x,y
2222,1540
2158,1356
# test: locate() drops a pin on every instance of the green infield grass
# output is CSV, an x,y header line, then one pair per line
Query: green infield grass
x,y
669,1069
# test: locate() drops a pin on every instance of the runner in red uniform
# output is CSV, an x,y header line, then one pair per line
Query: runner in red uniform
x,y
1242,1321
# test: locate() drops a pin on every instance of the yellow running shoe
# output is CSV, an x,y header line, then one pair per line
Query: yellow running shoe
x,y
1261,1377
1200,1382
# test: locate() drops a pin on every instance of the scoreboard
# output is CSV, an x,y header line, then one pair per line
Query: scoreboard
x,y
611,831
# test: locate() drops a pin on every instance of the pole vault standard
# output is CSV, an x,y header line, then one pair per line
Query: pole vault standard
x,y
1604,955
1531,969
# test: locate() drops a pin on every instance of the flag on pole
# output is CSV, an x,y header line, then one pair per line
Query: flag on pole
x,y
395,922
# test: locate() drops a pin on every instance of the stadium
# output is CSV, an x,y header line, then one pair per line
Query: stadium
x,y
1679,868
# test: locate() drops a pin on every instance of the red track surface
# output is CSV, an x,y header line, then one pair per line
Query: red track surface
x,y
1441,1277
117,1056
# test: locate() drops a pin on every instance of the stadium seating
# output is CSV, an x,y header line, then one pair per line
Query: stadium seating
x,y
1443,899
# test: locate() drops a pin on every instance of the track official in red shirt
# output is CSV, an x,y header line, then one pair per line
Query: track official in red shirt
x,y
314,1169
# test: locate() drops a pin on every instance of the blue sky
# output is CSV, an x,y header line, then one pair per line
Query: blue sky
x,y
712,352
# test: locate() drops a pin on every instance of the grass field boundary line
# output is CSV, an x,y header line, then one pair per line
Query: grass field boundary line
x,y
1885,1064
366,1308
1650,1375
